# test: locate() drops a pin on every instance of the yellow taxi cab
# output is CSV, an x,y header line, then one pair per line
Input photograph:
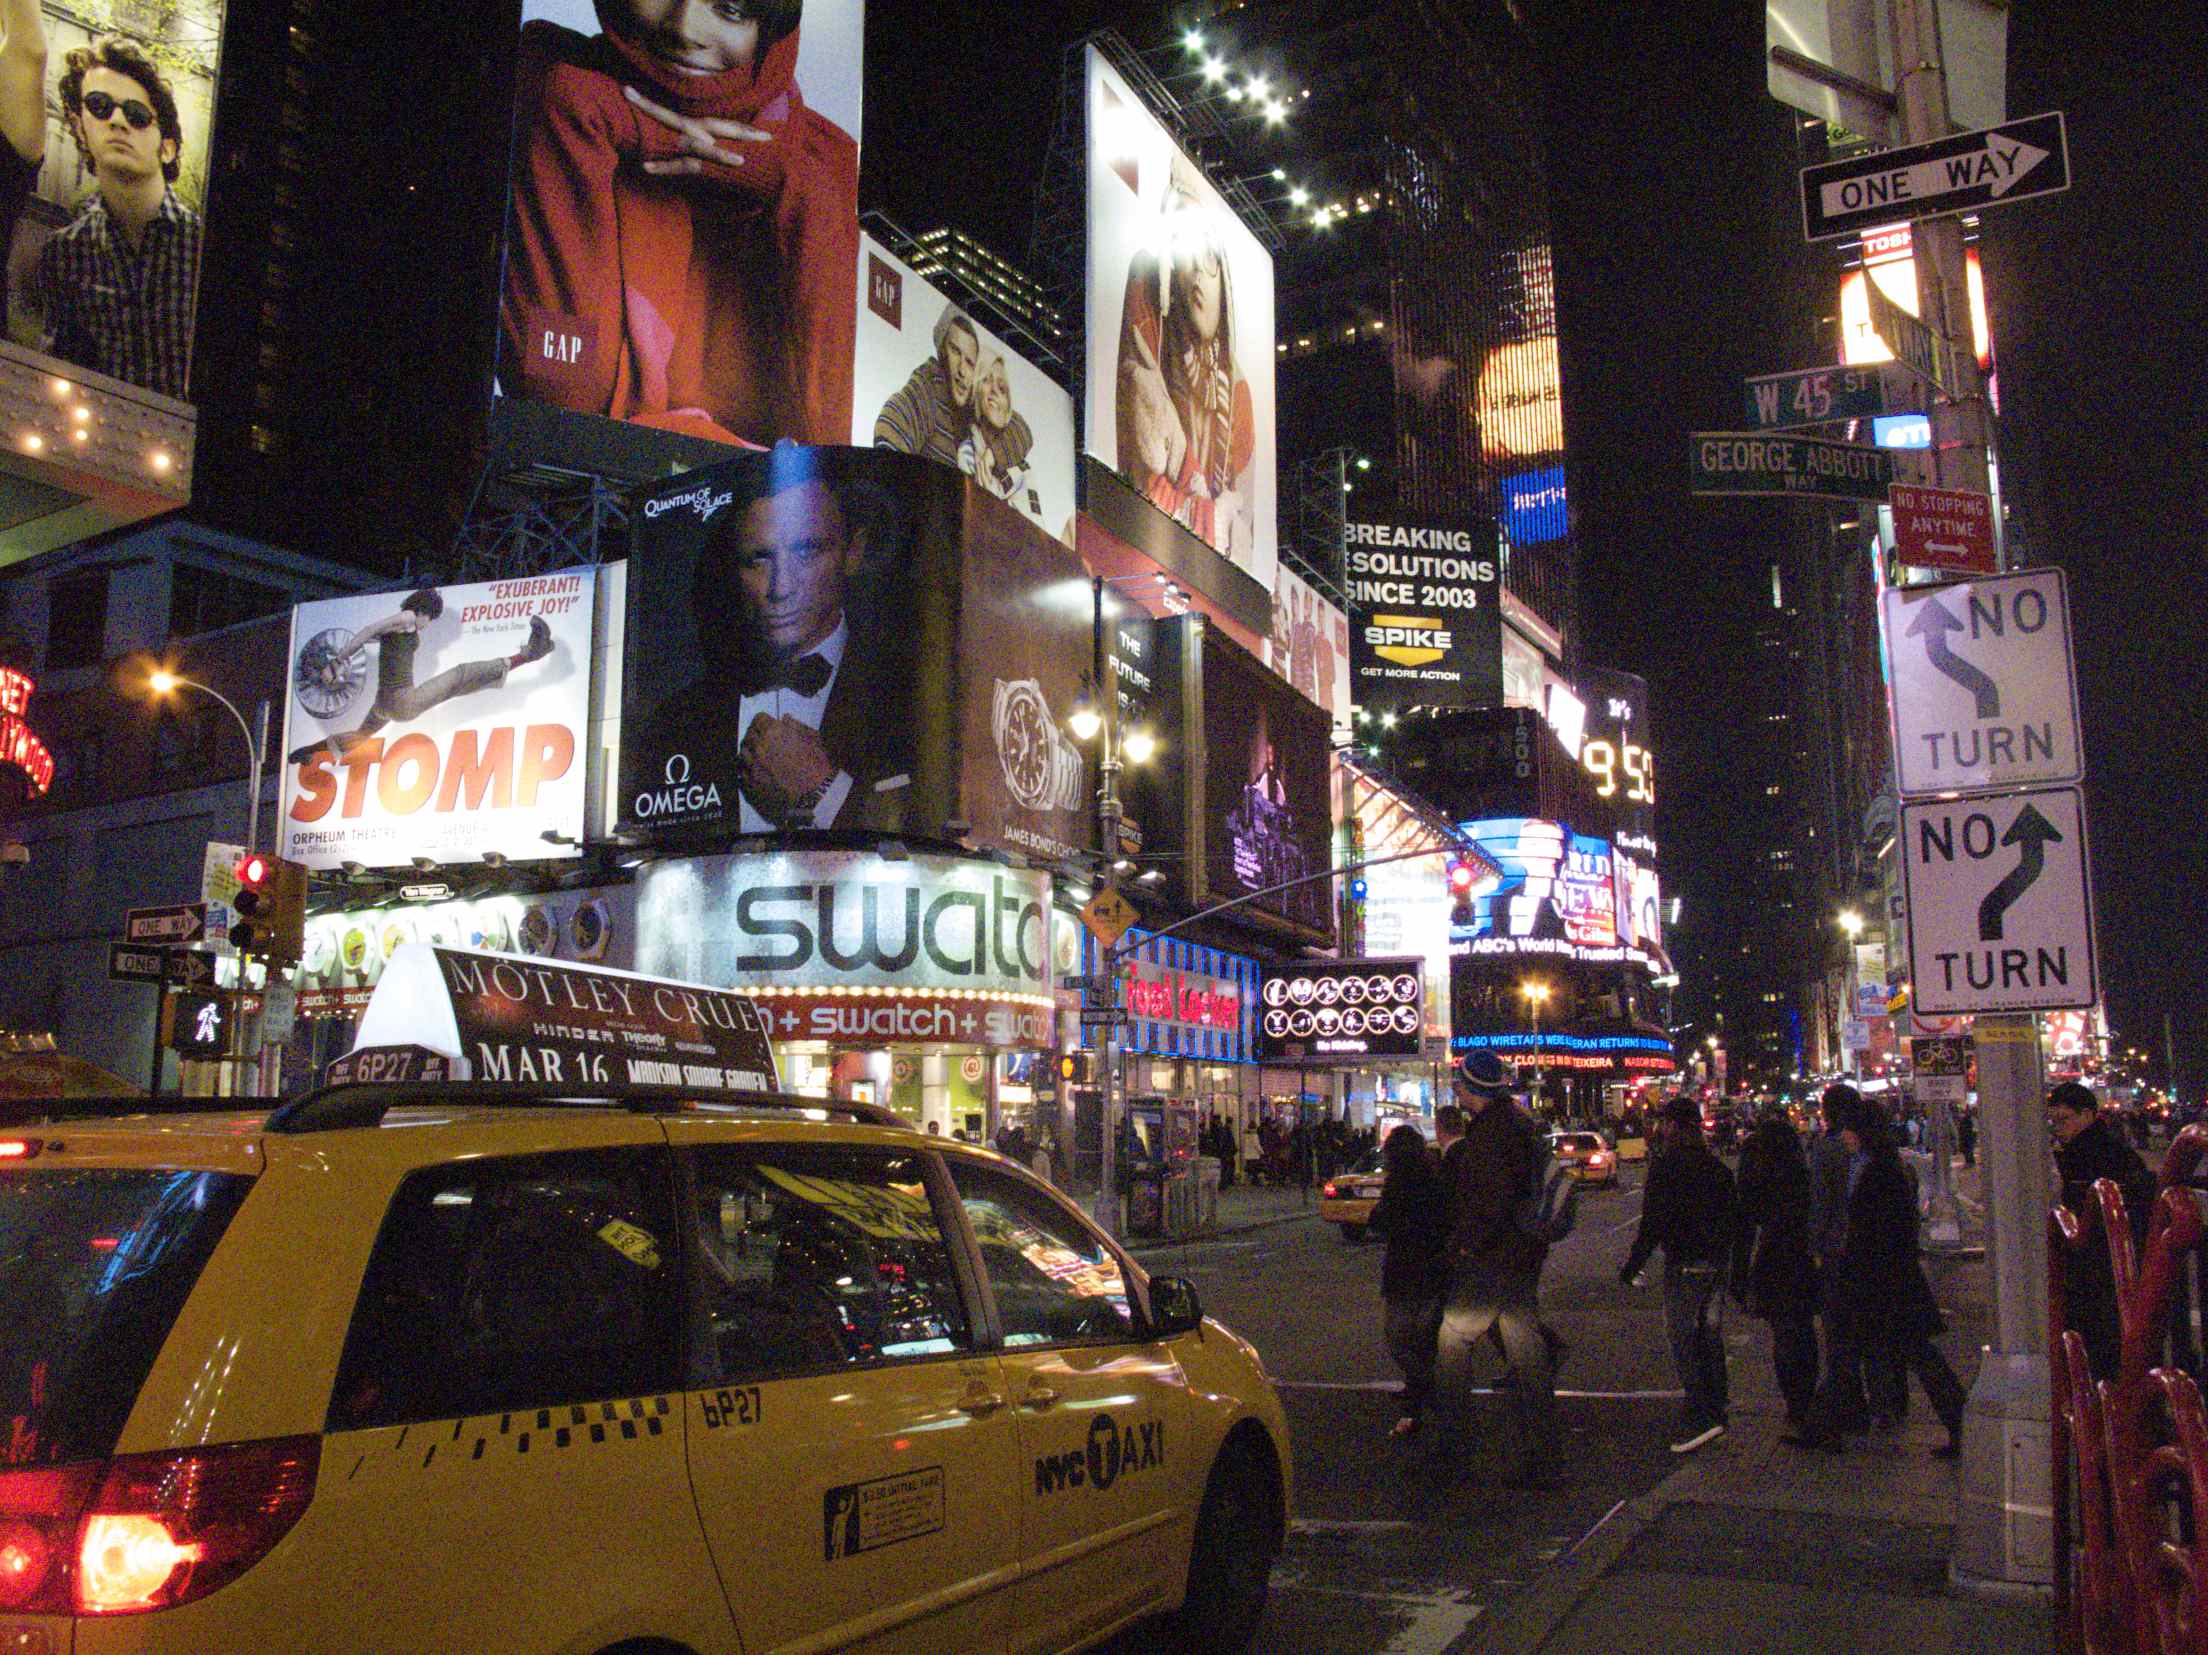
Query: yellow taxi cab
x,y
1587,1155
582,1365
1347,1198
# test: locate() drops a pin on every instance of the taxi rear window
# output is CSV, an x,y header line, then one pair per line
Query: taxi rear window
x,y
95,1263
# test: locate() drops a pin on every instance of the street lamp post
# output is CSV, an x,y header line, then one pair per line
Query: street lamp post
x,y
1851,923
162,682
1537,994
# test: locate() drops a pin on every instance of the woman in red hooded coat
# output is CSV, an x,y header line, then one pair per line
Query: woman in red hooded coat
x,y
684,251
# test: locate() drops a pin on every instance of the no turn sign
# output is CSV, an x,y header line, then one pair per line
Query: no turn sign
x,y
2000,904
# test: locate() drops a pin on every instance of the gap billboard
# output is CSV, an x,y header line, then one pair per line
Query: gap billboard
x,y
682,233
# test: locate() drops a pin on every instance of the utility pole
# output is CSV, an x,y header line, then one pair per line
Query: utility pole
x,y
2004,1527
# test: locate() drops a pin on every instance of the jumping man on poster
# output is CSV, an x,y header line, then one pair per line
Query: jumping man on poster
x,y
398,638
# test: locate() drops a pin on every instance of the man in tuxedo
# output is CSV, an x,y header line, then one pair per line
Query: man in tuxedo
x,y
805,703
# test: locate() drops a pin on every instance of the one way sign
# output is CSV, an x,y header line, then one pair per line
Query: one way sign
x,y
1960,174
1985,695
2000,904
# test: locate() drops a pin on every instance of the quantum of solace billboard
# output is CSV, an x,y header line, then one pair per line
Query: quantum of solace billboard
x,y
842,945
103,182
682,240
448,722
1426,622
1341,1008
780,606
1180,334
932,381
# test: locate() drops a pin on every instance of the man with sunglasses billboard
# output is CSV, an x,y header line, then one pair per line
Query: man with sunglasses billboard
x,y
119,284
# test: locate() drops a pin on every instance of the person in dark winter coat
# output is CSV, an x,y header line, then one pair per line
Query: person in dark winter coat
x,y
1495,1264
2088,1148
1886,1302
1688,1210
1774,1275
1413,1216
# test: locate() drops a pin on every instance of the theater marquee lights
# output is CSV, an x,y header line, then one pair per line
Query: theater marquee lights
x,y
20,747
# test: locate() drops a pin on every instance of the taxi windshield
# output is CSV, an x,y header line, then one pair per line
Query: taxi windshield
x,y
95,1263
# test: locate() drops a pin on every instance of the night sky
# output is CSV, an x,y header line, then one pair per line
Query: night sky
x,y
1671,223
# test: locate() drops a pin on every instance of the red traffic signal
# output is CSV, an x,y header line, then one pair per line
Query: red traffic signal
x,y
252,871
1461,877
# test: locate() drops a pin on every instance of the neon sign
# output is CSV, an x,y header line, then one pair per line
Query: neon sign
x,y
19,746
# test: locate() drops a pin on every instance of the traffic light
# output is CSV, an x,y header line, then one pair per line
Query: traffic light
x,y
271,907
1073,1068
1462,877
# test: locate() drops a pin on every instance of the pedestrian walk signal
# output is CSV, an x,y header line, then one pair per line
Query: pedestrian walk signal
x,y
271,909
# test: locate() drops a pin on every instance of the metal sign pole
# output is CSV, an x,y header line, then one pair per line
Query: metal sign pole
x,y
2004,1527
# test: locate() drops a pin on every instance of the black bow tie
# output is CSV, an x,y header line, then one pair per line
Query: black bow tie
x,y
808,675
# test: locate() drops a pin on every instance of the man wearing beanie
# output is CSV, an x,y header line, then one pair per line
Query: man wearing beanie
x,y
1688,1210
2088,1149
1495,1265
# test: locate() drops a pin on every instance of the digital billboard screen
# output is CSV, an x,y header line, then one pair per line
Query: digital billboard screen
x,y
682,234
1340,1008
103,182
1267,807
448,722
1561,894
1180,333
850,639
931,380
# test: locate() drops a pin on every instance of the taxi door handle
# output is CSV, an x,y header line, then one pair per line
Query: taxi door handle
x,y
1039,1395
980,1402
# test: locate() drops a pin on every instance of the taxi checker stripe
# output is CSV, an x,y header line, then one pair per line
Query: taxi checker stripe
x,y
650,1412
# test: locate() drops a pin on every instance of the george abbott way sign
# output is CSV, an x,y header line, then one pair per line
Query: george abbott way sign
x,y
1761,462
1985,695
2000,904
1962,173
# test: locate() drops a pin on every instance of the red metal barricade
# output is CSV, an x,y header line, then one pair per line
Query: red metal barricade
x,y
2130,1452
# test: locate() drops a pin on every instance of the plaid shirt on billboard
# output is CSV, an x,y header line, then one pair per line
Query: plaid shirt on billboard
x,y
124,314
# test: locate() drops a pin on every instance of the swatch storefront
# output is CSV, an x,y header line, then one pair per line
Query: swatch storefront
x,y
919,981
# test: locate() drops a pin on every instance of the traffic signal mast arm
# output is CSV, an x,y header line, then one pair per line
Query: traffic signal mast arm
x,y
1462,853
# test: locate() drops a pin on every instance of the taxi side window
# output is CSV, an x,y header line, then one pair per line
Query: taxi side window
x,y
814,1259
1054,1282
517,1282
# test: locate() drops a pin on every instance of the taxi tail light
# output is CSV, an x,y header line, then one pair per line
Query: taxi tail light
x,y
1327,1191
39,1509
163,1529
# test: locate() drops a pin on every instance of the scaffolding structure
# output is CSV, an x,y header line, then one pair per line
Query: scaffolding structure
x,y
532,519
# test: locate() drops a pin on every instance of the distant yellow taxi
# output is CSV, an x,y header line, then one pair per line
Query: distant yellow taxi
x,y
413,1368
1587,1155
1347,1199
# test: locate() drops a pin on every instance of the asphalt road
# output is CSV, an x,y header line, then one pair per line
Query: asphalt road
x,y
1394,1552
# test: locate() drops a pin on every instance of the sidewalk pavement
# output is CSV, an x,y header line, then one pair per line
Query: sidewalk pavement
x,y
1249,1207
1755,1545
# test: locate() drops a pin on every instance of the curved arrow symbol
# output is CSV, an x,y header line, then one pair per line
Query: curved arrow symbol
x,y
1933,623
2033,833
